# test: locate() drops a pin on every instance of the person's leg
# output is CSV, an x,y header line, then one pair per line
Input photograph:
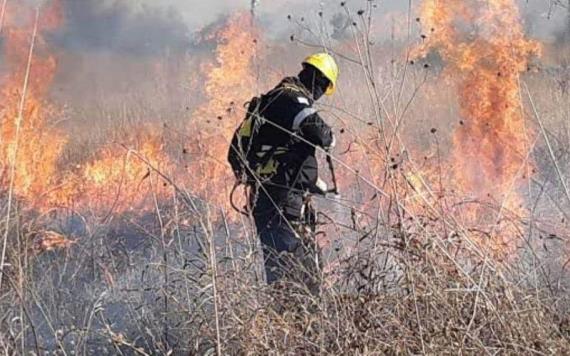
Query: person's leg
x,y
279,242
294,256
308,262
273,267
290,252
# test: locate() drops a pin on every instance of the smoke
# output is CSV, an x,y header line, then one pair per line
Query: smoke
x,y
545,20
119,27
149,27
152,27
112,46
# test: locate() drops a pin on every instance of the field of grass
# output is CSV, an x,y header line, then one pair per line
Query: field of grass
x,y
154,261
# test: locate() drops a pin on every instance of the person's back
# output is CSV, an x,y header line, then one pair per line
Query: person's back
x,y
294,131
287,169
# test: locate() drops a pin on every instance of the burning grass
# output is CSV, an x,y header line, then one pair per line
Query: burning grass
x,y
449,237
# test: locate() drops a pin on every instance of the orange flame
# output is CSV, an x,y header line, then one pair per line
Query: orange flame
x,y
123,180
36,151
485,50
490,148
117,179
229,83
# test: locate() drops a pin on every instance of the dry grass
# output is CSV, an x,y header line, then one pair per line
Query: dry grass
x,y
404,275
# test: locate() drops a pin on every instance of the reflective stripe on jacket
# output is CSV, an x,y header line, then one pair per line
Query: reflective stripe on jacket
x,y
291,122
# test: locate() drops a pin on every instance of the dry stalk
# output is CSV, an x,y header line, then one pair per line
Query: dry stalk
x,y
14,156
3,15
548,145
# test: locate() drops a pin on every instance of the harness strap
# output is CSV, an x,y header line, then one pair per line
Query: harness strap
x,y
266,164
296,88
301,116
268,152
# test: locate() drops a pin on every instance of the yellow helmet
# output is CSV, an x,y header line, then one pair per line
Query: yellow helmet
x,y
326,64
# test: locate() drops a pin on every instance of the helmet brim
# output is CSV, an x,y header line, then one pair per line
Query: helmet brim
x,y
330,90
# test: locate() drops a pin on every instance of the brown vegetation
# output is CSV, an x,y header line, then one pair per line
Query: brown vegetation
x,y
125,243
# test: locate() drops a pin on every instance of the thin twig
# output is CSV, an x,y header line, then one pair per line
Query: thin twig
x,y
14,156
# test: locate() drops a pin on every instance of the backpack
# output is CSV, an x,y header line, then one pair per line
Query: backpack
x,y
243,148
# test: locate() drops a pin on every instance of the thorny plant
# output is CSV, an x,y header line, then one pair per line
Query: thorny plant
x,y
406,277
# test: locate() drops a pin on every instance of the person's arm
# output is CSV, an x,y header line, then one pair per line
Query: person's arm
x,y
315,130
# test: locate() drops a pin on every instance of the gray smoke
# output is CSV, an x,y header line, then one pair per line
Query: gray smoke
x,y
546,20
149,27
144,27
118,27
111,46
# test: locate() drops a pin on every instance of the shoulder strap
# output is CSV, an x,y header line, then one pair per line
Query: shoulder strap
x,y
296,88
301,116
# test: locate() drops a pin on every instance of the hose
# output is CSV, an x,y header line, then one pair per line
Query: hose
x,y
234,189
333,174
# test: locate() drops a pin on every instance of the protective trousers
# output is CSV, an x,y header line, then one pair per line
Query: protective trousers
x,y
290,251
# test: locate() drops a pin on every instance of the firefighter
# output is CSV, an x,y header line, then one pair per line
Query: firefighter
x,y
288,171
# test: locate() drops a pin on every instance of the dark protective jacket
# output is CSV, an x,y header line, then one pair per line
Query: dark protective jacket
x,y
288,109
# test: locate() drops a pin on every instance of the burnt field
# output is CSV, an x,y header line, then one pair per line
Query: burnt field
x,y
451,233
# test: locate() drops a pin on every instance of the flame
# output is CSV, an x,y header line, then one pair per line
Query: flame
x,y
485,50
51,240
121,176
124,180
490,148
37,149
230,81
485,64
